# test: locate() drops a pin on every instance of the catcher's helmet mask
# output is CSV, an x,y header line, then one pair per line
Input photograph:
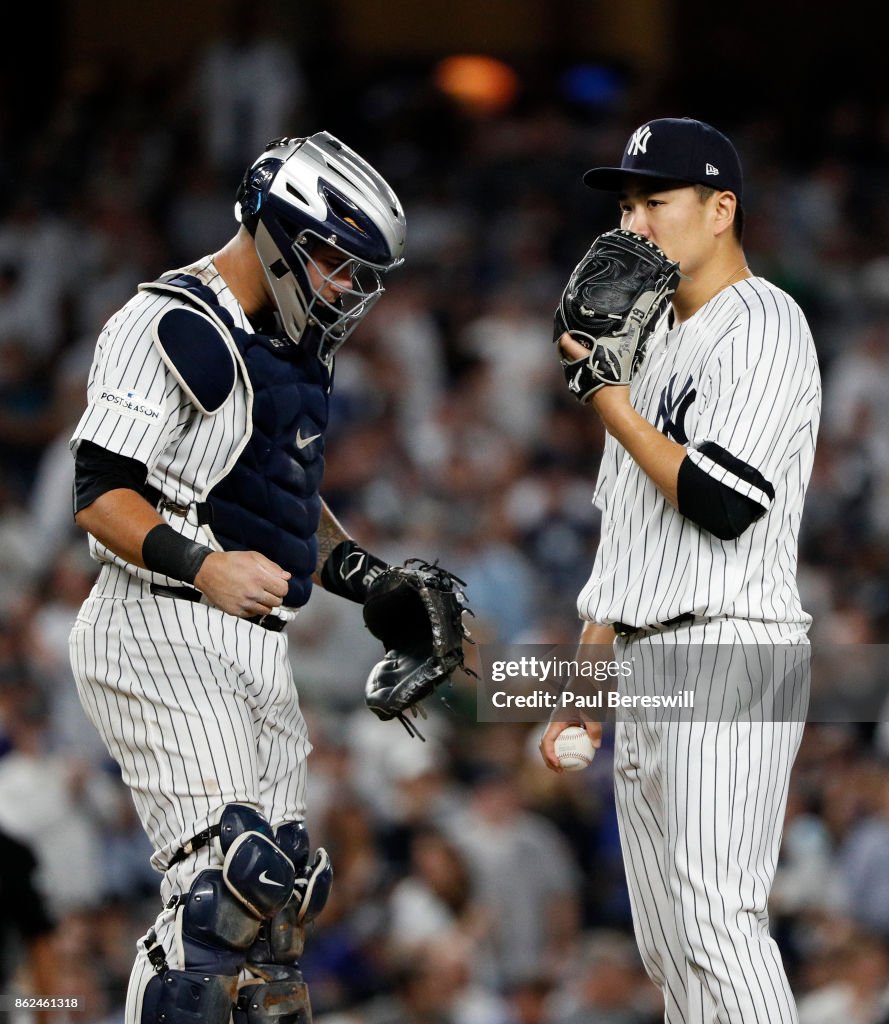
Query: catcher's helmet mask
x,y
303,192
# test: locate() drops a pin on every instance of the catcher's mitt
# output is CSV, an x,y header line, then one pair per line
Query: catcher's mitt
x,y
611,304
416,610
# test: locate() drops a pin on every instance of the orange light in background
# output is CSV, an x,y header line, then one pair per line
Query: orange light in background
x,y
483,85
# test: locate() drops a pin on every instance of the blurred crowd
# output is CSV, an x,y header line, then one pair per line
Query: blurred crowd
x,y
472,886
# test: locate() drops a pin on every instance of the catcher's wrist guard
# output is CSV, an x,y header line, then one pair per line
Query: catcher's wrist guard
x,y
416,610
613,301
349,571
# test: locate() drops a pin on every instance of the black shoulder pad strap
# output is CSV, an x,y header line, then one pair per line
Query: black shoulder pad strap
x,y
198,352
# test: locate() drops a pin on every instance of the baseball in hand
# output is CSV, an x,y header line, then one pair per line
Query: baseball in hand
x,y
574,748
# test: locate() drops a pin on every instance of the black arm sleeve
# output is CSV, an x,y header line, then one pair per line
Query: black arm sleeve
x,y
712,505
97,470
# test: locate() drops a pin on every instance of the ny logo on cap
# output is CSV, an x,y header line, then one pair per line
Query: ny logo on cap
x,y
639,141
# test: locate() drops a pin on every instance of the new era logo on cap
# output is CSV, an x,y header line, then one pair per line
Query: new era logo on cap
x,y
675,149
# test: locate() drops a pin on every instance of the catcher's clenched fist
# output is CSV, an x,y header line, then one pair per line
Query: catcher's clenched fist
x,y
613,301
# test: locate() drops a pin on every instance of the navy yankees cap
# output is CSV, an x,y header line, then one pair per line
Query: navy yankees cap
x,y
675,149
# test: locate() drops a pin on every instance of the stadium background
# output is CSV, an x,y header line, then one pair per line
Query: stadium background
x,y
472,886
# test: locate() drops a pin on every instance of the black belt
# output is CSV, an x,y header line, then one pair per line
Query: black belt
x,y
267,621
626,632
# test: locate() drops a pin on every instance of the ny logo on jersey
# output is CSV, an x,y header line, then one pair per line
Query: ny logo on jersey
x,y
639,141
672,409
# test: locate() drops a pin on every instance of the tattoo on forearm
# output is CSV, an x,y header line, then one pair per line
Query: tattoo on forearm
x,y
330,533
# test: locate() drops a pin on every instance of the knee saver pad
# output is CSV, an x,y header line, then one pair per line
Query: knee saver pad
x,y
282,1001
313,881
215,928
255,868
188,997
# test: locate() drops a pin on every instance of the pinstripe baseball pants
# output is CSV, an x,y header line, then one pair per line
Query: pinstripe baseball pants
x,y
199,710
700,807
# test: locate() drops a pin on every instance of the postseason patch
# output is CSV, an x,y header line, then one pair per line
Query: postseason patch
x,y
129,403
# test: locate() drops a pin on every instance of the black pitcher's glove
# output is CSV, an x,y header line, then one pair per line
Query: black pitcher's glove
x,y
611,304
416,609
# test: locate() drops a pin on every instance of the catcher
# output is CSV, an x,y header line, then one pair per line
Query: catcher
x,y
198,469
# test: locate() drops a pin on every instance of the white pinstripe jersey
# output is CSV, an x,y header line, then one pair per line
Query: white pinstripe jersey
x,y
136,408
739,380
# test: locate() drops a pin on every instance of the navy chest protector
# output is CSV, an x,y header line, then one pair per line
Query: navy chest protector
x,y
269,500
